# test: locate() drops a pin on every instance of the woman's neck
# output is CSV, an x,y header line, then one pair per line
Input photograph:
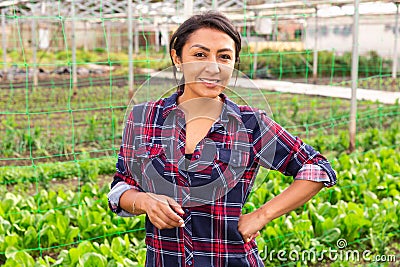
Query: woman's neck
x,y
201,107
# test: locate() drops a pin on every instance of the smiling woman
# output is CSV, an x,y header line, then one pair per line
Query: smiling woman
x,y
207,60
189,161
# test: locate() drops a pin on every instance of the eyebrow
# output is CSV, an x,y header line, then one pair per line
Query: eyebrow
x,y
208,50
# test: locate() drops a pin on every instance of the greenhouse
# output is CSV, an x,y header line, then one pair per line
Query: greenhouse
x,y
72,70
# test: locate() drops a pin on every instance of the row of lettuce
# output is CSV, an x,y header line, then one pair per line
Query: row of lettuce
x,y
44,225
68,138
87,168
50,123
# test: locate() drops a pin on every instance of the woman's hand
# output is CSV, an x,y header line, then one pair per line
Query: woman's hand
x,y
162,211
249,226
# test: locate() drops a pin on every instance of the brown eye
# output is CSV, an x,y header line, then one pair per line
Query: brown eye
x,y
226,57
199,54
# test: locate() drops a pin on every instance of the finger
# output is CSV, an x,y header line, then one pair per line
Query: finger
x,y
161,220
169,208
168,216
246,237
175,206
168,201
163,209
175,222
255,235
249,237
159,224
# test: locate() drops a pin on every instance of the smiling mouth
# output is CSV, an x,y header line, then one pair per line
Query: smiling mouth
x,y
212,81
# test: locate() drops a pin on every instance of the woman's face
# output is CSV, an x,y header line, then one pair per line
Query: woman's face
x,y
207,62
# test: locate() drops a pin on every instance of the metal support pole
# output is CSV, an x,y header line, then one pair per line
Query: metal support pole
x,y
34,51
167,38
119,38
396,37
354,78
109,38
157,34
73,47
315,57
4,38
85,45
136,38
255,61
255,55
214,5
188,8
130,49
275,37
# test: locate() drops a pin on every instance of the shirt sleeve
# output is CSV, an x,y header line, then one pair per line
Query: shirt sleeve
x,y
115,194
275,148
123,181
127,167
313,173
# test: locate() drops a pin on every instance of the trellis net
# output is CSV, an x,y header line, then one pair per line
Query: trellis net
x,y
60,137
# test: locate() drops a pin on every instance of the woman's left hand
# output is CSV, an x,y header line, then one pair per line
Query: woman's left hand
x,y
249,226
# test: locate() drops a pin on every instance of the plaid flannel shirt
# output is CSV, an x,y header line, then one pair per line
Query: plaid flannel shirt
x,y
242,140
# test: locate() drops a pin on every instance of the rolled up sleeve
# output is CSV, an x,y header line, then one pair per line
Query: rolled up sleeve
x,y
277,149
123,181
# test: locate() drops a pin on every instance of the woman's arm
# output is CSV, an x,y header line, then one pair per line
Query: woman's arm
x,y
277,149
298,193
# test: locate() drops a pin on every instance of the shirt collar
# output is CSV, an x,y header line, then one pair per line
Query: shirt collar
x,y
230,108
170,103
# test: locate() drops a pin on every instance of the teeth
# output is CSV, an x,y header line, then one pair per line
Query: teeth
x,y
209,81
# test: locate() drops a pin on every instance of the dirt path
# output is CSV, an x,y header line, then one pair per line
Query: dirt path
x,y
320,90
385,97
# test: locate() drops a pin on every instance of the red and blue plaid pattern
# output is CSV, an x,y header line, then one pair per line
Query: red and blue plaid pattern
x,y
151,159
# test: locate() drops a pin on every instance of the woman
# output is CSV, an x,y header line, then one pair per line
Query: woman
x,y
189,161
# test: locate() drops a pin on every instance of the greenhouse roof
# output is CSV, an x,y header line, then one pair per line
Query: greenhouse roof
x,y
172,11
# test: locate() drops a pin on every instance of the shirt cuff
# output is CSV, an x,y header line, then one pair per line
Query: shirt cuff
x,y
115,194
315,173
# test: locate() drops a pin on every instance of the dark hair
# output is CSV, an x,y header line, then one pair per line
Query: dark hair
x,y
210,19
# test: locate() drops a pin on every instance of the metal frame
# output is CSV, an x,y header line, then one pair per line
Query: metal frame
x,y
95,9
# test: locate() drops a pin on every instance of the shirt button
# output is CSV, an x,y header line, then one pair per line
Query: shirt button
x,y
187,210
189,262
197,156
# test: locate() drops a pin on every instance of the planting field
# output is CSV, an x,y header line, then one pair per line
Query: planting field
x,y
53,222
58,154
53,124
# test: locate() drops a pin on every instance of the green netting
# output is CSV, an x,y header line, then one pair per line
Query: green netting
x,y
59,140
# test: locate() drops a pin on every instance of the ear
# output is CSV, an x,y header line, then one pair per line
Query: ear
x,y
175,58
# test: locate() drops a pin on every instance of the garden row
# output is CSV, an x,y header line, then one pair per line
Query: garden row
x,y
64,225
49,124
83,165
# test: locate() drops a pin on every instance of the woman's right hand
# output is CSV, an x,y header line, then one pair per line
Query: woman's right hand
x,y
162,210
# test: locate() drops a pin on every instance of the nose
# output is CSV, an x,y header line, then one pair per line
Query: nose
x,y
212,66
